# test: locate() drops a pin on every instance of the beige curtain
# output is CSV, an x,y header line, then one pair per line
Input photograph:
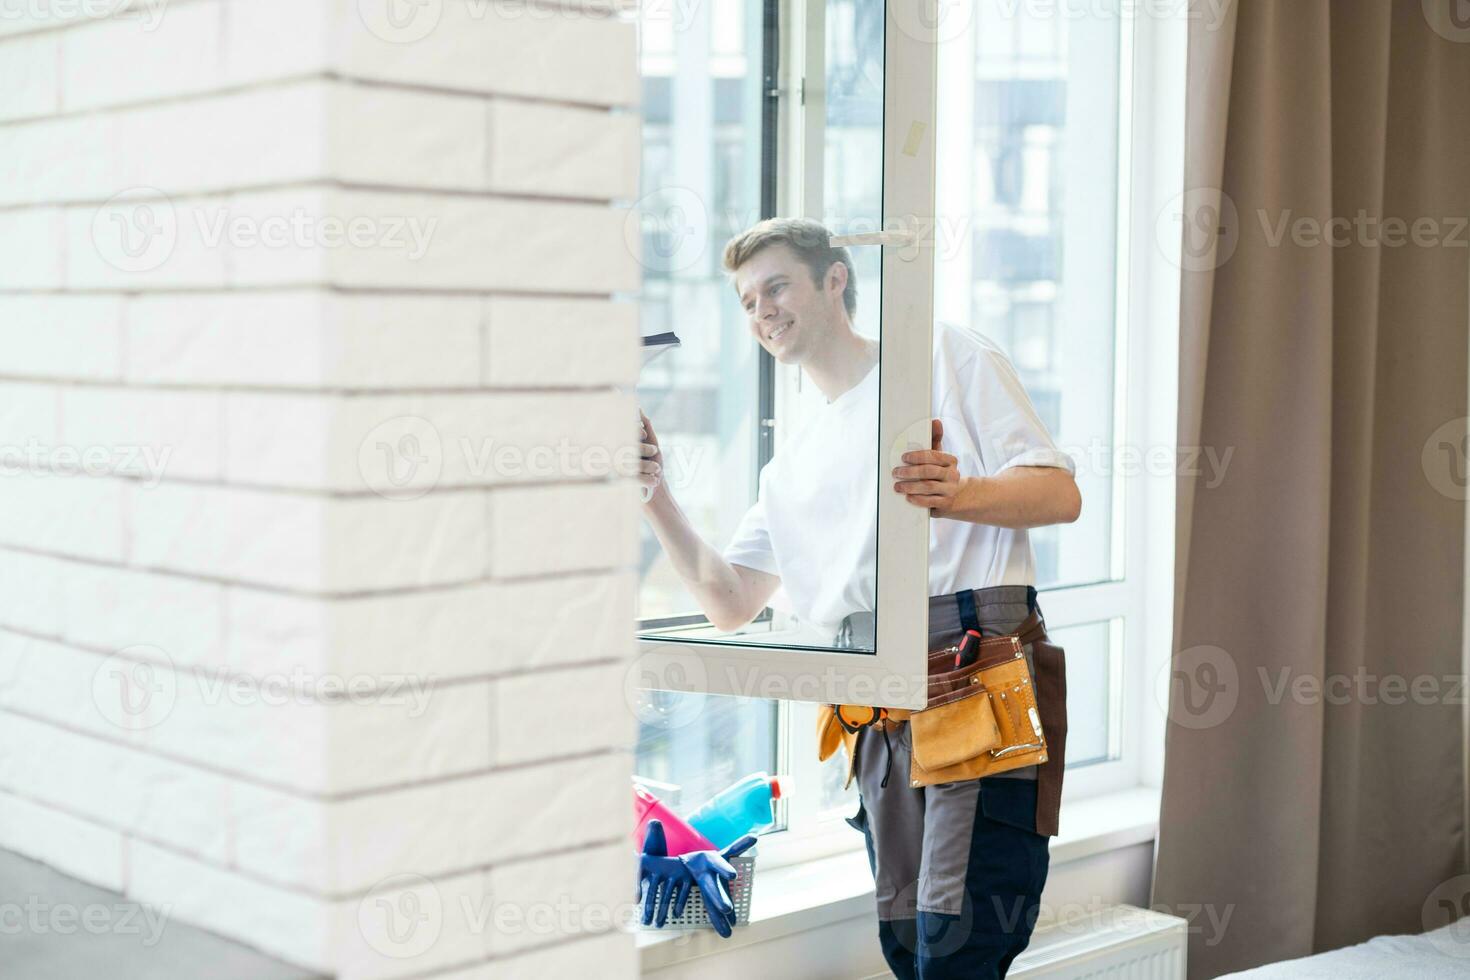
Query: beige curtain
x,y
1333,550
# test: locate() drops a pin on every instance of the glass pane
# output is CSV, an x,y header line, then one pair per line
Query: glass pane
x,y
831,795
698,744
701,181
852,185
1090,650
766,414
1026,233
701,177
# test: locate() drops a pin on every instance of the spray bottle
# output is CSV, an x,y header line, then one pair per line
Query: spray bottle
x,y
738,810
682,838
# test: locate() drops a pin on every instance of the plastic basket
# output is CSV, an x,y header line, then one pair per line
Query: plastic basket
x,y
695,917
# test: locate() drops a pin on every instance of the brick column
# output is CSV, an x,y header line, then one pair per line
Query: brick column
x,y
316,539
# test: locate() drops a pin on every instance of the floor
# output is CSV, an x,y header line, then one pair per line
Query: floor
x,y
57,928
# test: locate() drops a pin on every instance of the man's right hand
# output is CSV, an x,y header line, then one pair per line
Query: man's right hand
x,y
651,466
730,595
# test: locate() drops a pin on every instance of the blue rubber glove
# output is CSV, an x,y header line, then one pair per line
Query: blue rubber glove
x,y
661,879
712,872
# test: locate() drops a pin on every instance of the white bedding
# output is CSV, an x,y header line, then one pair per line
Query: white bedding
x,y
1443,954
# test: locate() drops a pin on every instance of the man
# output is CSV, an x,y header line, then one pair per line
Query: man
x,y
958,867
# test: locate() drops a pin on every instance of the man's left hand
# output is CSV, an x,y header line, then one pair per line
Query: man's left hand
x,y
931,478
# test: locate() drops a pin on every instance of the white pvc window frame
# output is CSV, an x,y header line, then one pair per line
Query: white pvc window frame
x,y
1136,604
895,673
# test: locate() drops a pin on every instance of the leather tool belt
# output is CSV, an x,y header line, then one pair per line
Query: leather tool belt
x,y
982,719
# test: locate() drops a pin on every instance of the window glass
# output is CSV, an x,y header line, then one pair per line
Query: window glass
x,y
701,182
1092,651
852,182
767,412
698,744
1026,231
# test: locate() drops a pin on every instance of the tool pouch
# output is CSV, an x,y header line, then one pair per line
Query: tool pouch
x,y
951,738
829,732
982,719
953,733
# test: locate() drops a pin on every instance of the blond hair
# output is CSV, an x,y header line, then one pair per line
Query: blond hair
x,y
810,240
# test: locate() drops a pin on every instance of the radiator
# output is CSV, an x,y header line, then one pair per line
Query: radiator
x,y
1118,942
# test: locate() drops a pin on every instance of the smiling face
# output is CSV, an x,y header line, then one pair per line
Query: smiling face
x,y
790,315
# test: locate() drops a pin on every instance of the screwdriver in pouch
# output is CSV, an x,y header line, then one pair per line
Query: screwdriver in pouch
x,y
969,646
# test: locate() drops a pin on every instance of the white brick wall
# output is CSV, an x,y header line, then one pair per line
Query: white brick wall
x,y
316,550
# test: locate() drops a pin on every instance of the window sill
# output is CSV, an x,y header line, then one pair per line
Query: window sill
x,y
800,897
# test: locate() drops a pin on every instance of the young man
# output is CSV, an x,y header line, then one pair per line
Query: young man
x,y
958,867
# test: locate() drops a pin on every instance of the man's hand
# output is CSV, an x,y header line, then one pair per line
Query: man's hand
x,y
931,478
651,467
1019,497
730,595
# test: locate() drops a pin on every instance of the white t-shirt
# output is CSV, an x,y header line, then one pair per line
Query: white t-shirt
x,y
815,519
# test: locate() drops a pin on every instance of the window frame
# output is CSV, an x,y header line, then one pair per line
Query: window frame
x,y
1138,597
895,673
1137,600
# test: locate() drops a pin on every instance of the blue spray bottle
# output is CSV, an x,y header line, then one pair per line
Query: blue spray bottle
x,y
738,810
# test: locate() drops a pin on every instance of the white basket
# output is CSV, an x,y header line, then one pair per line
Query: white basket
x,y
695,916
